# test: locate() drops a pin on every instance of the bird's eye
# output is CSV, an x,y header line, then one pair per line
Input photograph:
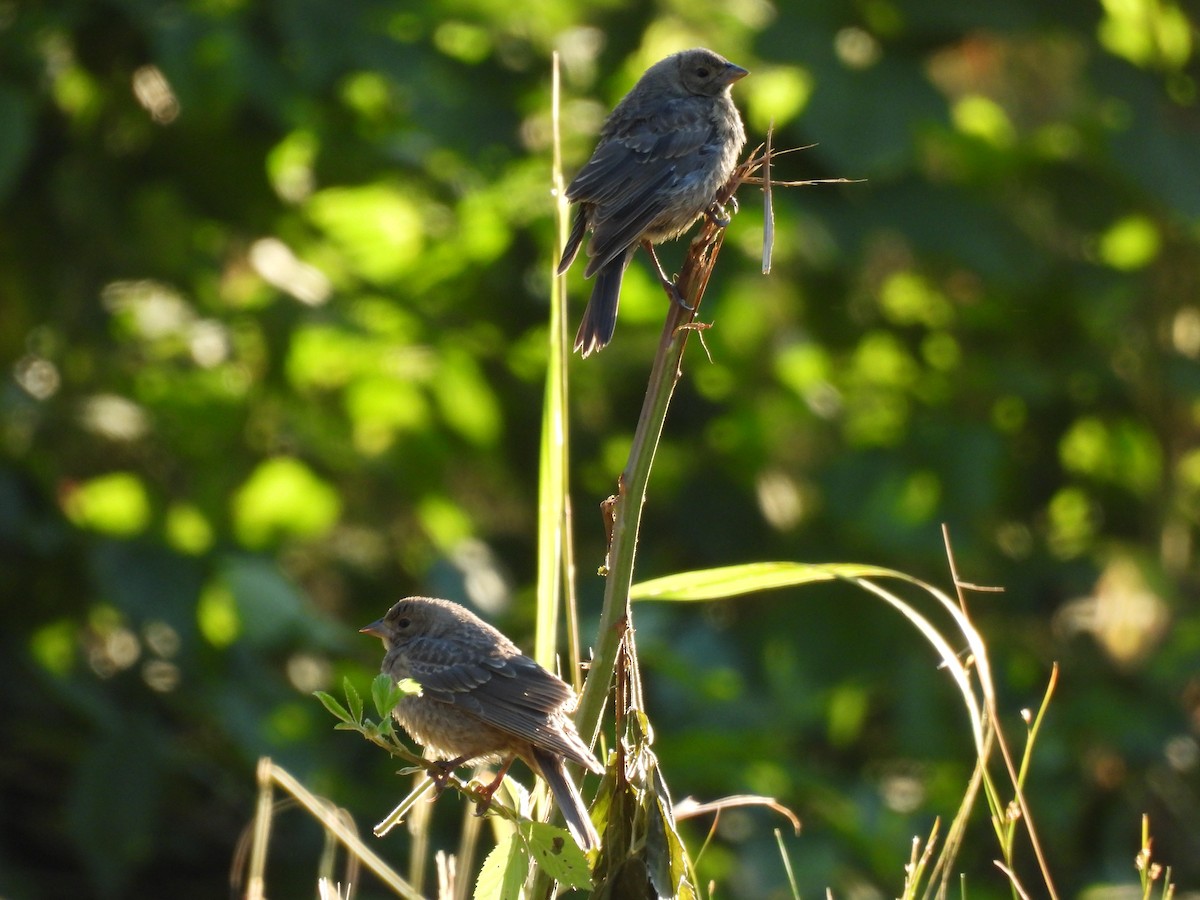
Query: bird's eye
x,y
704,71
403,622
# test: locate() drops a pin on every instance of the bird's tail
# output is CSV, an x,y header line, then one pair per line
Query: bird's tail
x,y
566,796
600,317
574,240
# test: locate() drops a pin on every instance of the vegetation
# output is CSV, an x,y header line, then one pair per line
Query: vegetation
x,y
275,287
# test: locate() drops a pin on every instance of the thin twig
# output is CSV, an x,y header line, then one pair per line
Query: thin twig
x,y
768,206
993,714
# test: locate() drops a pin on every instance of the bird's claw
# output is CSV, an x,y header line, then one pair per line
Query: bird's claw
x,y
440,772
677,296
719,215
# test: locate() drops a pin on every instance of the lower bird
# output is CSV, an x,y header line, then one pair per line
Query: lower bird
x,y
483,700
665,150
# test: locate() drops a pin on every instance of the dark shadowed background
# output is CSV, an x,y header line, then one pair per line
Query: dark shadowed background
x,y
273,299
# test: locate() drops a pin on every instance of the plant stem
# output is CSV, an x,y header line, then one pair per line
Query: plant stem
x,y
632,485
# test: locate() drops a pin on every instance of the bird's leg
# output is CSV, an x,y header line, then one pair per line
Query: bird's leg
x,y
442,769
485,794
719,215
667,282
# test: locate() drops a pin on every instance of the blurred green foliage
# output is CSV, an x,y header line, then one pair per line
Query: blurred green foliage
x,y
273,293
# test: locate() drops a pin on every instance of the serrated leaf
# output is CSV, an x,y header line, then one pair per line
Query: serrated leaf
x,y
732,581
686,891
386,692
333,706
503,872
381,688
353,699
557,854
518,794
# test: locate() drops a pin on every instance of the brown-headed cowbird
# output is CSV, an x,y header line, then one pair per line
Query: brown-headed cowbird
x,y
665,150
483,700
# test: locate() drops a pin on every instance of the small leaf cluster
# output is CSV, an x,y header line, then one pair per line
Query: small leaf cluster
x,y
386,692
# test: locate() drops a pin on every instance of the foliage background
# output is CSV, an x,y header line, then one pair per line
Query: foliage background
x,y
273,292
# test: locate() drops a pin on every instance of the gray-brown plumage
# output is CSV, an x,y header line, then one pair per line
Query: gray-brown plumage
x,y
483,700
663,153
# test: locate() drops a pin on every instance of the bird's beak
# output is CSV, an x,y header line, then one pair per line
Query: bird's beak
x,y
734,73
375,628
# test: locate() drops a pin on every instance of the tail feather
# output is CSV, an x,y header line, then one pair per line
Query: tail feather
x,y
600,317
574,240
567,798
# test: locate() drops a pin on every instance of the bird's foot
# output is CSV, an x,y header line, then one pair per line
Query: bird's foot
x,y
440,771
484,796
668,283
719,215
485,801
675,294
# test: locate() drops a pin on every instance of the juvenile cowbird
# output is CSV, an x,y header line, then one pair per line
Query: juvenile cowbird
x,y
483,700
665,150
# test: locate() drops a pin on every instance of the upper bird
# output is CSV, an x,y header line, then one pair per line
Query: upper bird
x,y
483,700
664,152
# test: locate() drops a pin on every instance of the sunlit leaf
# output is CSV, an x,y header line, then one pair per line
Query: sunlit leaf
x,y
503,872
377,226
217,615
116,504
386,692
732,581
556,852
188,530
283,497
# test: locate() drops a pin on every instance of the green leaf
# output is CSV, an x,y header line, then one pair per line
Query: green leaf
x,y
553,466
386,692
381,689
732,581
353,699
666,858
503,873
557,854
284,498
334,706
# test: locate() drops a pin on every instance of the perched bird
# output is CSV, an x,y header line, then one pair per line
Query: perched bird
x,y
663,153
483,700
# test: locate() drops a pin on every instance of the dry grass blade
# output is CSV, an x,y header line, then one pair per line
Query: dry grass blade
x,y
687,808
768,206
993,714
271,776
396,816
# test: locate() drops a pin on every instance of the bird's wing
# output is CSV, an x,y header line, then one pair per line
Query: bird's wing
x,y
512,693
630,178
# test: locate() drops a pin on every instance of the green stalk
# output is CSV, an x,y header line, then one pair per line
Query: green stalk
x,y
616,615
553,450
